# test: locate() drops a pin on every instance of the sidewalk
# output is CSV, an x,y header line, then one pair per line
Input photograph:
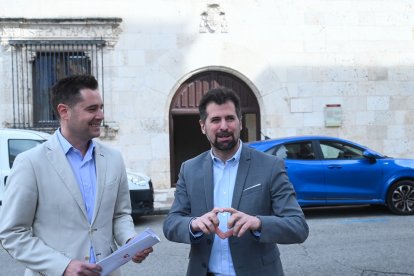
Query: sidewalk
x,y
163,199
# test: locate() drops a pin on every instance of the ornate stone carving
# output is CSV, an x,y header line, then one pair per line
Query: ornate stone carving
x,y
107,29
213,20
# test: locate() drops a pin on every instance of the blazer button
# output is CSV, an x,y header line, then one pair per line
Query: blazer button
x,y
208,241
203,265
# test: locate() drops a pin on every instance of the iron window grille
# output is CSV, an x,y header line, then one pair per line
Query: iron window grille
x,y
37,65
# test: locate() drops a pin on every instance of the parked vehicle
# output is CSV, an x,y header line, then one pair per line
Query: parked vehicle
x,y
15,141
333,171
141,192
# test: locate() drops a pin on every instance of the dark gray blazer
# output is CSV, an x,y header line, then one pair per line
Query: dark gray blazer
x,y
272,199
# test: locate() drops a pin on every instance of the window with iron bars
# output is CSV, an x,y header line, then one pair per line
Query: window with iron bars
x,y
38,65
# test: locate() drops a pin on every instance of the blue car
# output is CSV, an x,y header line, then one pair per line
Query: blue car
x,y
332,171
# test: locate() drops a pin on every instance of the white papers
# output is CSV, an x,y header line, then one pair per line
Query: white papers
x,y
125,253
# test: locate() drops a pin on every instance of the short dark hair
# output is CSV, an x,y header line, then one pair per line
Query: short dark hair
x,y
67,90
219,96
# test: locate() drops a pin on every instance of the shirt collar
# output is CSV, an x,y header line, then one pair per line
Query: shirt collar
x,y
235,158
66,146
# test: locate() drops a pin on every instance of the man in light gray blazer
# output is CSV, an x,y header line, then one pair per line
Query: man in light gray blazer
x,y
67,201
233,204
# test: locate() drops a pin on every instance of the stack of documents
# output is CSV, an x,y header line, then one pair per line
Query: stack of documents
x,y
125,253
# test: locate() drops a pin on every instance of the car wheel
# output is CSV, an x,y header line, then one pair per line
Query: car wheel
x,y
400,198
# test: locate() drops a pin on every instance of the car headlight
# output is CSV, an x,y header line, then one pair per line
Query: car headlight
x,y
137,181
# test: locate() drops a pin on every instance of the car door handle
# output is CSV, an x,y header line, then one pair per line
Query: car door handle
x,y
334,167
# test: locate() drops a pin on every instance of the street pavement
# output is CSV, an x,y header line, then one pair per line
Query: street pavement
x,y
349,241
343,241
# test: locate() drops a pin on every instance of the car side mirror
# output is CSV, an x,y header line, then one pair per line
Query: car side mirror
x,y
370,156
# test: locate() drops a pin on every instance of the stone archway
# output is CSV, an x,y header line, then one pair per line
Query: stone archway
x,y
186,139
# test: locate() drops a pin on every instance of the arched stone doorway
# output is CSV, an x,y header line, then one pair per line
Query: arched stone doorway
x,y
186,139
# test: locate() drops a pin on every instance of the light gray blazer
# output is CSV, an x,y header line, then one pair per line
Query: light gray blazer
x,y
262,188
43,221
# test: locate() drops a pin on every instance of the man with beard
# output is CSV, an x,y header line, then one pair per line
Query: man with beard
x,y
67,201
233,204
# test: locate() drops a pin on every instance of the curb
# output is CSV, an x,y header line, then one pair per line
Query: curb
x,y
160,211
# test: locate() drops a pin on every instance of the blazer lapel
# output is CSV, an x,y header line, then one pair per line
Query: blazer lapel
x,y
244,165
58,161
208,182
100,164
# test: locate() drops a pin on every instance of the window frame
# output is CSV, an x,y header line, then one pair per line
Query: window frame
x,y
28,99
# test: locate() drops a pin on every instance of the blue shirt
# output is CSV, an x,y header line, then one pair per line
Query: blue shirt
x,y
83,168
224,175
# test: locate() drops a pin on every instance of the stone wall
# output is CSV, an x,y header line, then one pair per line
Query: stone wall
x,y
297,56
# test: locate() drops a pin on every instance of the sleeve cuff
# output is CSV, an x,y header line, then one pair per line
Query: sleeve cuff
x,y
197,234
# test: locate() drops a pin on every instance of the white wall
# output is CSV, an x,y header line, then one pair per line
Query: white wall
x,y
298,55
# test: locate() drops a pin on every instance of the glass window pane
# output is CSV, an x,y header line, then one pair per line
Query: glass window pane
x,y
48,67
336,150
17,146
299,151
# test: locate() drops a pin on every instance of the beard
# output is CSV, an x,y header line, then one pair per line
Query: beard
x,y
225,146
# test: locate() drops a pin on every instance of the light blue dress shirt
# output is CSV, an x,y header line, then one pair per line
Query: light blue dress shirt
x,y
85,172
221,263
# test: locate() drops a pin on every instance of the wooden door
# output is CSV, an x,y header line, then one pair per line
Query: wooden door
x,y
186,139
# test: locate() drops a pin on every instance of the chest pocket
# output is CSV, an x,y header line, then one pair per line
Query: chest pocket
x,y
252,189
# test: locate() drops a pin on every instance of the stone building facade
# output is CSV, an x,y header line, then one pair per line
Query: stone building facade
x,y
343,68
